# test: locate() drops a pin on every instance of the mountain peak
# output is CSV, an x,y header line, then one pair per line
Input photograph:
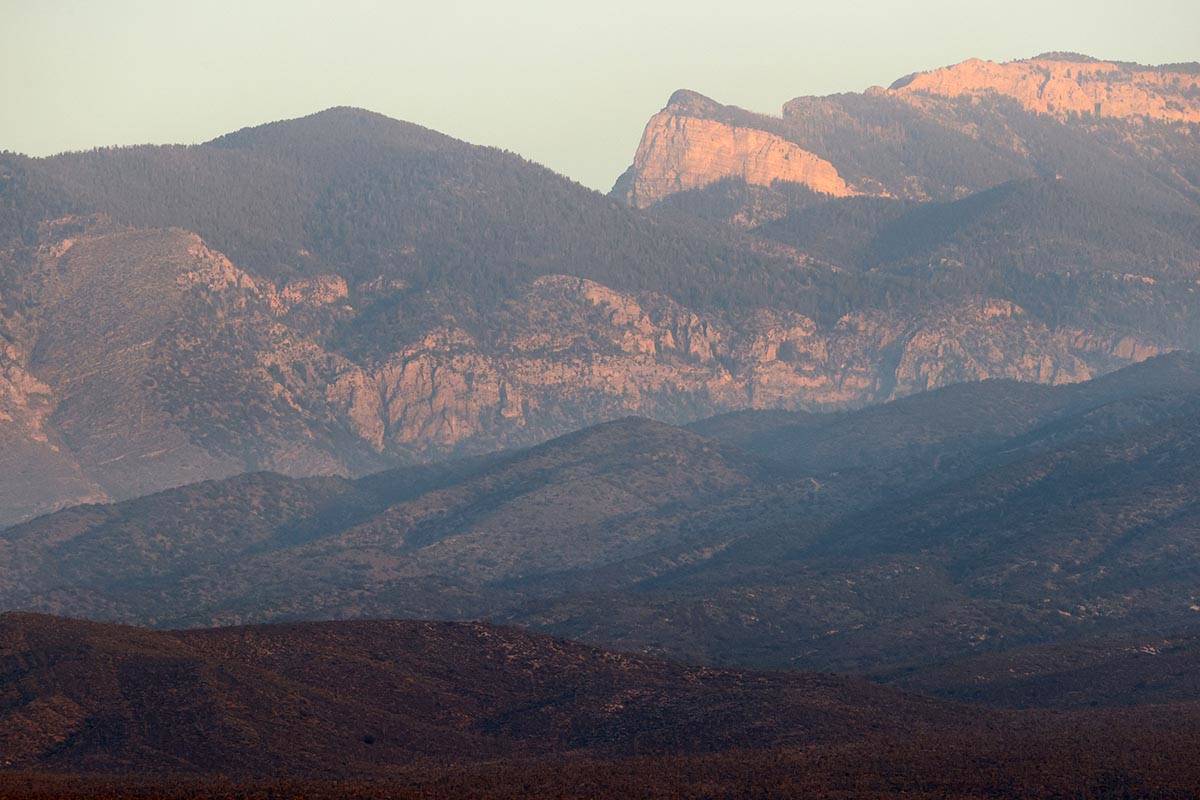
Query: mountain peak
x,y
695,141
333,125
1065,55
688,100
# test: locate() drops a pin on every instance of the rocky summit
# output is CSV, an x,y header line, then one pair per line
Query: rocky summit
x,y
1063,84
683,148
694,141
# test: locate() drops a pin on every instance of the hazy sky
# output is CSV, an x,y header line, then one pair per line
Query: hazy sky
x,y
567,84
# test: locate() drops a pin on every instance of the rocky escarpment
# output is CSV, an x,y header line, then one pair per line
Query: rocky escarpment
x,y
1061,85
682,148
220,372
40,472
931,135
572,348
172,332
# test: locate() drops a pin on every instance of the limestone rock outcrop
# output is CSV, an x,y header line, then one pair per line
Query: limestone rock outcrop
x,y
1060,85
571,347
679,151
928,136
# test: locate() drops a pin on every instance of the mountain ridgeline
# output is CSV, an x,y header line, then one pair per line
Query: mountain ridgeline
x,y
344,293
964,521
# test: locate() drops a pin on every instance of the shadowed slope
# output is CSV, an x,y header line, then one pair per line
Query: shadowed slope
x,y
360,697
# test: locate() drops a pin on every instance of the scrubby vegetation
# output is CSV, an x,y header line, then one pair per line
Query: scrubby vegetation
x,y
426,710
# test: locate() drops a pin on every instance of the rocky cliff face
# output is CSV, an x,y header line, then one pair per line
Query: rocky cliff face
x,y
40,472
931,135
981,175
571,347
682,150
566,351
1059,85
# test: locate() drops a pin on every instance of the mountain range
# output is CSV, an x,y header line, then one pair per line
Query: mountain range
x,y
852,452
970,519
343,293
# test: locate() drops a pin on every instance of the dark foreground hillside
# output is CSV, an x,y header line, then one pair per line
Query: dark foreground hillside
x,y
1108,671
343,699
1137,762
438,710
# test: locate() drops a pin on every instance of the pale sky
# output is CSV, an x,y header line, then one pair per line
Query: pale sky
x,y
567,84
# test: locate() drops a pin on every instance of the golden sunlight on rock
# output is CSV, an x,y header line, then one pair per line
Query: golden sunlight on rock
x,y
680,152
1060,85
